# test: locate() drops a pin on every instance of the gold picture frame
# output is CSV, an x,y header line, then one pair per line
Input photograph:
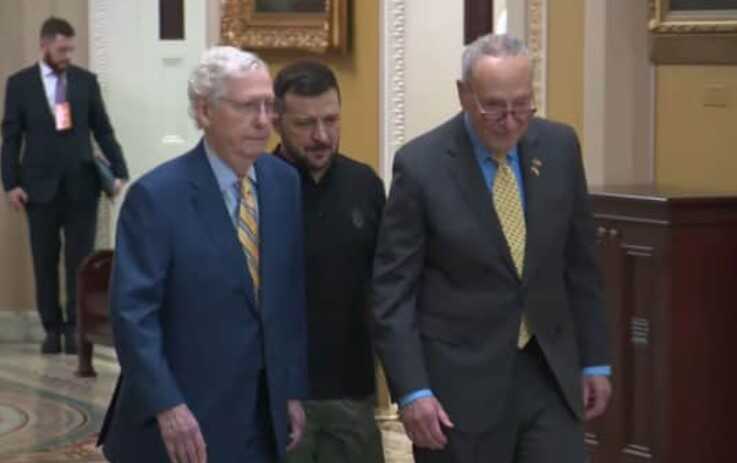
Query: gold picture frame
x,y
693,36
275,25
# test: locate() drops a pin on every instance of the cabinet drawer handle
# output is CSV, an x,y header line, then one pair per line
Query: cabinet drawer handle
x,y
613,233
601,231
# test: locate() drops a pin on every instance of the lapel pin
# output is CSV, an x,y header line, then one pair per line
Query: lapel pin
x,y
537,164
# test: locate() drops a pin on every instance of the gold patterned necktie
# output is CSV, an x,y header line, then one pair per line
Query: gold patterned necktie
x,y
248,230
508,206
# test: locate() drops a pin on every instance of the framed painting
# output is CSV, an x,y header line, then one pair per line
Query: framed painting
x,y
317,26
693,31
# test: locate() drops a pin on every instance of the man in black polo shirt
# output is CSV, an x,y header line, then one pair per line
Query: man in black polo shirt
x,y
343,201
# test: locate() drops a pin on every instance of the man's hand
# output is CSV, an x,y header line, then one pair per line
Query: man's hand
x,y
296,423
118,185
182,437
17,198
596,393
423,420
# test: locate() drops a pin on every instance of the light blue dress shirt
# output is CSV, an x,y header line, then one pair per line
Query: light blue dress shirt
x,y
49,78
488,168
229,184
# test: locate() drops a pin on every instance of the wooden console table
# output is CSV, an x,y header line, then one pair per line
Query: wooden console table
x,y
669,260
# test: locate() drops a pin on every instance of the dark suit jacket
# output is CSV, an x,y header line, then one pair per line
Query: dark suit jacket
x,y
36,157
447,298
187,329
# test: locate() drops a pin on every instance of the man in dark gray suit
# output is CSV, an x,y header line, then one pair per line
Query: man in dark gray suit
x,y
488,311
51,109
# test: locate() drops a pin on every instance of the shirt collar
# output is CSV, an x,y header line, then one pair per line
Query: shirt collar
x,y
479,150
226,177
46,70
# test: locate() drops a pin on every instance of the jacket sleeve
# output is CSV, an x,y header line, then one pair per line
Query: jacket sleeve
x,y
142,258
582,273
12,132
397,269
298,373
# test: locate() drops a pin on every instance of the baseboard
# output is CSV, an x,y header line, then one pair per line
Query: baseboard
x,y
20,326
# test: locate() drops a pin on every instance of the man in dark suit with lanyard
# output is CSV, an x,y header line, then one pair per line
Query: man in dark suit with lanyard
x,y
488,311
48,169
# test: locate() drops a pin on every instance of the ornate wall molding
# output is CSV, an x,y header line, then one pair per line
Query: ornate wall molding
x,y
99,26
99,19
392,87
537,31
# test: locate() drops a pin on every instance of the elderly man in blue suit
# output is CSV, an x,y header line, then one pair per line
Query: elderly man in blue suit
x,y
207,296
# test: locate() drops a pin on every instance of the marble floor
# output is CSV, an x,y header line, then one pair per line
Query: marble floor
x,y
48,415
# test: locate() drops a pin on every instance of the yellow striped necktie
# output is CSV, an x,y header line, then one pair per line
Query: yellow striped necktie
x,y
248,230
508,206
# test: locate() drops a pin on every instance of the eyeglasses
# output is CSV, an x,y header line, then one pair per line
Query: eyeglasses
x,y
497,113
252,108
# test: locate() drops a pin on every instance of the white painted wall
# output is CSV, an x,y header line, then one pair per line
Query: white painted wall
x,y
144,79
421,46
434,47
516,12
619,94
420,60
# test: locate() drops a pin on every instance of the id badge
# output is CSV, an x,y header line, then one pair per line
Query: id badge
x,y
63,116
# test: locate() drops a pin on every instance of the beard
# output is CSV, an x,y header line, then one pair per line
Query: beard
x,y
302,158
57,66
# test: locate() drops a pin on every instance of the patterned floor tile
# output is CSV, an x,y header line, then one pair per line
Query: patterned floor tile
x,y
48,415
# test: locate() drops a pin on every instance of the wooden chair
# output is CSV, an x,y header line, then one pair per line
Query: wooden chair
x,y
93,320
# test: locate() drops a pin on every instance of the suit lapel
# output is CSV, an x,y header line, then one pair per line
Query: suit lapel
x,y
40,92
531,164
209,205
470,180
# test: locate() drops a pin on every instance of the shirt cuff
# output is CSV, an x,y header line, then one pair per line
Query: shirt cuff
x,y
598,370
413,396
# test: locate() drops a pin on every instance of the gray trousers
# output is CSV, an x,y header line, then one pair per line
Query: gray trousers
x,y
537,426
339,431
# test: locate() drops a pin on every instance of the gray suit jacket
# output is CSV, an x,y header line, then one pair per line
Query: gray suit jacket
x,y
447,299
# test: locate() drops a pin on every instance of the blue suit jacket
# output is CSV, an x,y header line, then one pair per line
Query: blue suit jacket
x,y
186,326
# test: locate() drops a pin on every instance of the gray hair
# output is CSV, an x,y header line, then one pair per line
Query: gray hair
x,y
217,65
497,45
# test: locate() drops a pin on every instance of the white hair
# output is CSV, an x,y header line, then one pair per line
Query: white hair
x,y
207,80
497,45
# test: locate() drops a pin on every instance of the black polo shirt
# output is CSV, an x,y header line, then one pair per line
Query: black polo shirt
x,y
341,218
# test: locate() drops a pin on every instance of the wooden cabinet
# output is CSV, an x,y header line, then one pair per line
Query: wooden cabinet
x,y
669,260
